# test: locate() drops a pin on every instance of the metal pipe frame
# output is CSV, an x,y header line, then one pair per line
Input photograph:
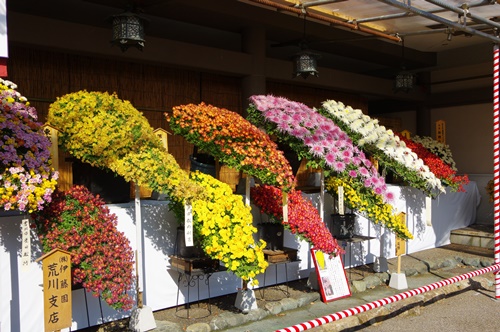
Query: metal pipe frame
x,y
442,20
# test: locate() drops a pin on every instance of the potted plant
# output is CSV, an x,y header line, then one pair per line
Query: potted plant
x,y
315,138
223,226
233,141
369,205
102,260
442,170
383,145
104,131
26,177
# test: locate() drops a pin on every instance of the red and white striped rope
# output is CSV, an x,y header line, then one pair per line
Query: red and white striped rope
x,y
376,304
496,165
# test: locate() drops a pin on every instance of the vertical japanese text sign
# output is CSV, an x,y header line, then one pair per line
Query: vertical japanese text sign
x,y
56,289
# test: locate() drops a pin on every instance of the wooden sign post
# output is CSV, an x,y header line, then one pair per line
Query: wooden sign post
x,y
56,289
398,280
400,250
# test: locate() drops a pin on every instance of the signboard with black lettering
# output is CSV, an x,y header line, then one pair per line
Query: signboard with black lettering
x,y
331,276
56,289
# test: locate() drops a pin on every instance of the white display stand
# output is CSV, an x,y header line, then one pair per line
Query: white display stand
x,y
21,291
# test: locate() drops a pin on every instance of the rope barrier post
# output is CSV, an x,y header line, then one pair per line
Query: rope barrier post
x,y
496,164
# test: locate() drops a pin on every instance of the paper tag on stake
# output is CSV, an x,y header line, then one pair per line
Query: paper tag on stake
x,y
341,199
26,244
188,225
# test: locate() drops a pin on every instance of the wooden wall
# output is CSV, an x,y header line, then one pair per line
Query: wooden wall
x,y
43,75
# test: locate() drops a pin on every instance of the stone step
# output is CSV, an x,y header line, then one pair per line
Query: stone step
x,y
474,235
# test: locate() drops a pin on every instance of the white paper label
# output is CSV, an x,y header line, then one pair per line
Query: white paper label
x,y
188,225
428,210
247,191
341,199
322,197
285,207
26,244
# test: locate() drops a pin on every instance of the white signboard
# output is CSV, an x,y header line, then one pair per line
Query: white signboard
x,y
331,276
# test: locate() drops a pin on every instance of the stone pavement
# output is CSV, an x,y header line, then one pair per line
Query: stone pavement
x,y
421,268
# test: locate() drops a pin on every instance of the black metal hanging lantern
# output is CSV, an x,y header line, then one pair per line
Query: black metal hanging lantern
x,y
304,64
128,30
405,81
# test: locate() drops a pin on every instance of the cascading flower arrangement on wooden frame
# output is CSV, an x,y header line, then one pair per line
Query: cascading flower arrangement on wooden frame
x,y
224,226
370,206
100,129
437,156
234,141
384,145
317,139
303,218
102,260
27,179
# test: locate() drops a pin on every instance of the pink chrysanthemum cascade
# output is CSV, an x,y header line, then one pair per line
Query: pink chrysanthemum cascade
x,y
317,139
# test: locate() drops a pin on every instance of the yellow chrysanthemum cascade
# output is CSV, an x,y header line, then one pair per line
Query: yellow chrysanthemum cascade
x,y
100,129
225,225
372,208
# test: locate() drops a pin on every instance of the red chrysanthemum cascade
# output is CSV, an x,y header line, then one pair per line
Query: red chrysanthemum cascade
x,y
437,166
303,218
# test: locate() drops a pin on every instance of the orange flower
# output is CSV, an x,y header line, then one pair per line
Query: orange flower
x,y
234,141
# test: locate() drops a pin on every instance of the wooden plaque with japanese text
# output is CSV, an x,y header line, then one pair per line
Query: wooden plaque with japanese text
x,y
56,290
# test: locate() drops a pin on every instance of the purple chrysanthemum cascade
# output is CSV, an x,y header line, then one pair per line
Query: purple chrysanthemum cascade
x,y
318,138
26,177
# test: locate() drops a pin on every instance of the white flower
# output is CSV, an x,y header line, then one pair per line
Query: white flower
x,y
356,125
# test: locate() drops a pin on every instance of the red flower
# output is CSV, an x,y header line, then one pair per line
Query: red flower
x,y
436,165
303,218
102,259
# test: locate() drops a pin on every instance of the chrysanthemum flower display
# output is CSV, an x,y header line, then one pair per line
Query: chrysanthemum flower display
x,y
27,180
105,131
101,257
441,170
441,150
372,207
386,147
303,218
224,226
316,138
233,141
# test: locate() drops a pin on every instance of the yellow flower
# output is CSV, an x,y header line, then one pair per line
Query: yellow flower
x,y
225,226
370,205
